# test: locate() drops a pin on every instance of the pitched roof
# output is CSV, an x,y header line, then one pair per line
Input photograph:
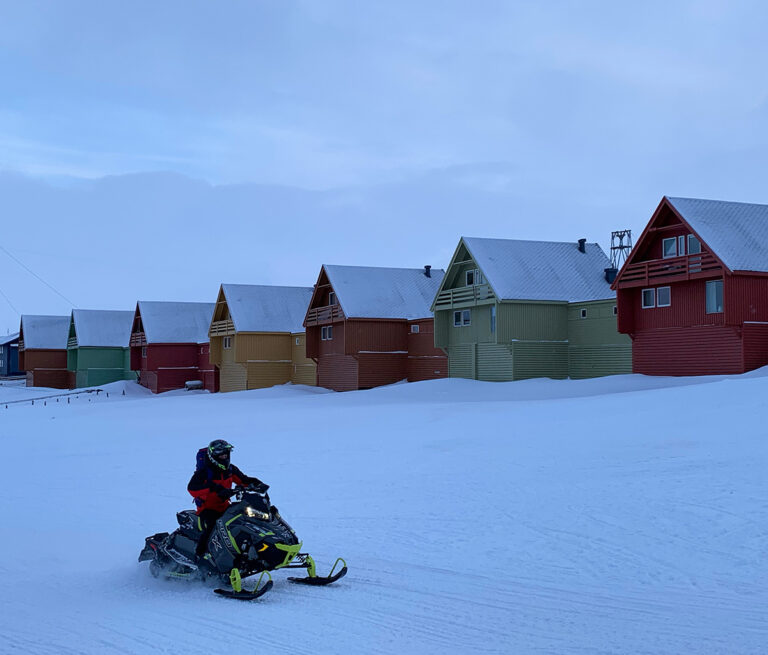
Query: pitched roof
x,y
45,332
737,232
542,270
8,338
257,308
368,292
102,328
176,322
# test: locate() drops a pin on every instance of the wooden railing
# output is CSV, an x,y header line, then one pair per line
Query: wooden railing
x,y
673,269
138,339
72,342
326,314
221,328
463,295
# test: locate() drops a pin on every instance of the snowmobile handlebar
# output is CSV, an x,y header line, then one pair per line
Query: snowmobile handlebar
x,y
258,488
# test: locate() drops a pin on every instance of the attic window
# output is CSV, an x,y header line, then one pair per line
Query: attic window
x,y
470,277
694,245
669,247
332,298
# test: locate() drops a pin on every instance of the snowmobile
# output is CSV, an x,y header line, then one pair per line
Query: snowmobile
x,y
249,538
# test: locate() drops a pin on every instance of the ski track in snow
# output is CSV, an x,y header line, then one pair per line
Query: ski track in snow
x,y
619,515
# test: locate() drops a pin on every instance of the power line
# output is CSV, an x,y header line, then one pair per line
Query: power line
x,y
31,272
8,300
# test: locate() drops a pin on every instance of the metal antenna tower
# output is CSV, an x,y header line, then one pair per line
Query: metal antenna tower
x,y
621,246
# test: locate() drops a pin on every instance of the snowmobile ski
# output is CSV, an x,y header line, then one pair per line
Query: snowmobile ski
x,y
314,579
238,593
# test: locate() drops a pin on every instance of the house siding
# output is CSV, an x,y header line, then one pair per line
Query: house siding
x,y
338,372
535,359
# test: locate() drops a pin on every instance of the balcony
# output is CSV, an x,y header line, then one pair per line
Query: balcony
x,y
464,296
674,269
72,342
221,328
328,314
138,339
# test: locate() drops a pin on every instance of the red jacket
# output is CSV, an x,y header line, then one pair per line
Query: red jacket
x,y
205,481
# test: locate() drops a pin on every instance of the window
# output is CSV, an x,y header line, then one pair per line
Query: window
x,y
663,297
144,352
332,298
466,317
669,247
714,296
681,246
326,333
227,343
470,278
298,341
493,319
456,319
694,245
414,329
583,313
649,298
615,310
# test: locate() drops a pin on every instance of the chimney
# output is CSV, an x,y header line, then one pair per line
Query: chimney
x,y
610,274
582,245
427,271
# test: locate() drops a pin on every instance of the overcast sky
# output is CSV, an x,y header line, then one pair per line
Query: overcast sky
x,y
302,132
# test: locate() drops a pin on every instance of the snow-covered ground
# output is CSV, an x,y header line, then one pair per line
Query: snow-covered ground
x,y
620,515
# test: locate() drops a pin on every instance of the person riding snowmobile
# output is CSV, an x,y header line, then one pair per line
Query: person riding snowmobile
x,y
211,484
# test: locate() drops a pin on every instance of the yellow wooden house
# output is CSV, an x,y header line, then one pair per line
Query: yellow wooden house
x,y
257,337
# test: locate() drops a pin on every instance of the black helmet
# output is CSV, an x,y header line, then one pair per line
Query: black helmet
x,y
218,453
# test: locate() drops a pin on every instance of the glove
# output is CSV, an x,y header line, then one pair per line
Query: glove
x,y
222,492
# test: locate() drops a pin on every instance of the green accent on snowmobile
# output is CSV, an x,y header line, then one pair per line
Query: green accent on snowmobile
x,y
235,580
231,538
199,524
290,553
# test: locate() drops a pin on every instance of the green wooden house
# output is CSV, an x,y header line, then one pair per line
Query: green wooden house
x,y
98,347
510,310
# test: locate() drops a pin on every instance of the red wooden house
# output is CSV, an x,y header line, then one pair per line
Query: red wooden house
x,y
693,294
43,350
372,326
169,345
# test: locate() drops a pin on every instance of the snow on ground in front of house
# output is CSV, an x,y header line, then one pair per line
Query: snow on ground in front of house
x,y
618,515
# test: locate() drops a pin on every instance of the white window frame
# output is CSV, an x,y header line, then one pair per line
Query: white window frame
x,y
692,239
331,298
642,299
582,313
226,343
298,341
457,318
415,328
471,272
658,300
681,245
664,243
466,317
706,297
143,352
493,319
326,333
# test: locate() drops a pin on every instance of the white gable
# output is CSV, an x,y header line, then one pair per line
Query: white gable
x,y
101,328
542,270
176,322
257,308
368,292
45,332
737,232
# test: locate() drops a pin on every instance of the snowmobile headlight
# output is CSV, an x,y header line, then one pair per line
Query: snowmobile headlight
x,y
254,513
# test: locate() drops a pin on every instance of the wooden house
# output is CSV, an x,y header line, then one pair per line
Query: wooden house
x,y
9,355
97,348
510,309
367,327
169,345
257,339
693,294
43,350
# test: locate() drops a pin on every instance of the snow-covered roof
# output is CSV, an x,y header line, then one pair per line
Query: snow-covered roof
x,y
102,328
257,308
542,270
8,338
368,292
737,232
176,322
45,332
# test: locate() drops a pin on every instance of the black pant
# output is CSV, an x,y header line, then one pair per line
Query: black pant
x,y
208,518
